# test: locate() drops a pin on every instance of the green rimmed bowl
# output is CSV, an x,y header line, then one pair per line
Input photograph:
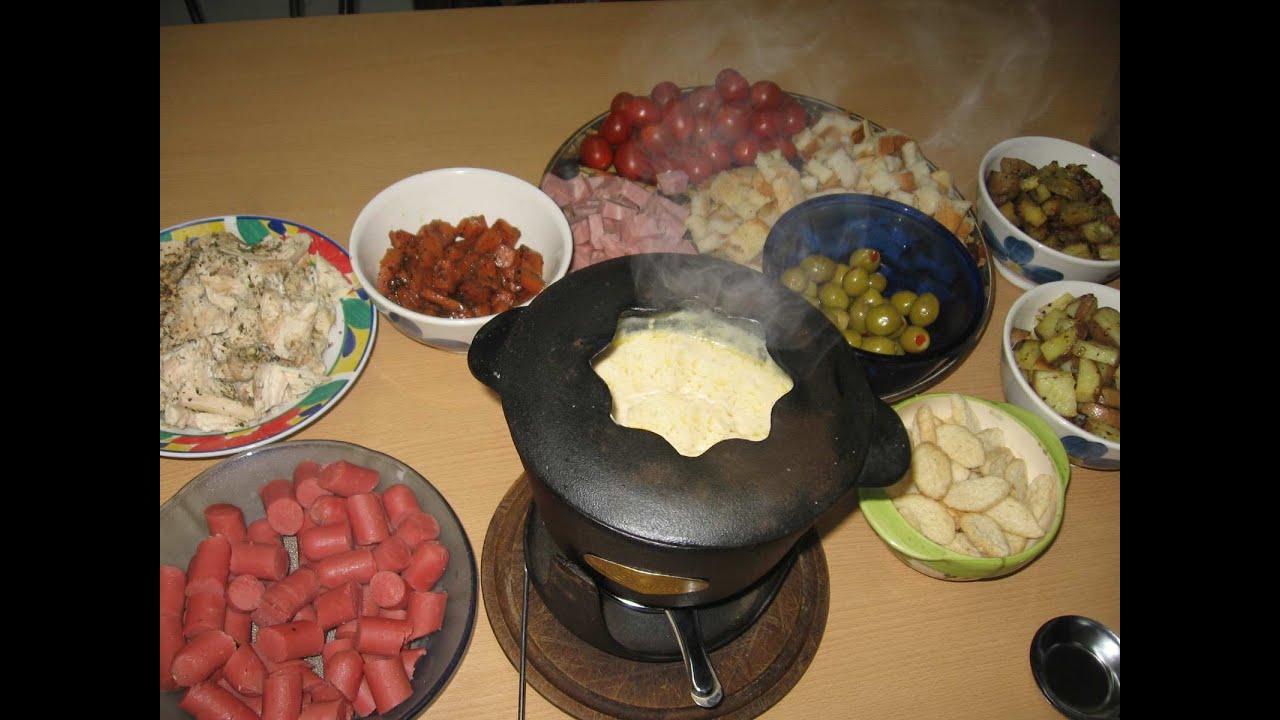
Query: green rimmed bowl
x,y
1029,437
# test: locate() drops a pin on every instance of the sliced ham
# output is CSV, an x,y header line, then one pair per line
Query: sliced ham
x,y
611,216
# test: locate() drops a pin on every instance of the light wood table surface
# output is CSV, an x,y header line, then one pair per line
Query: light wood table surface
x,y
307,119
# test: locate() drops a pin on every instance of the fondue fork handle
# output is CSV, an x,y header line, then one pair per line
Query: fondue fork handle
x,y
524,640
705,690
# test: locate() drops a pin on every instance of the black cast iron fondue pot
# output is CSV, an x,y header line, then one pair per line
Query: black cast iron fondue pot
x,y
660,528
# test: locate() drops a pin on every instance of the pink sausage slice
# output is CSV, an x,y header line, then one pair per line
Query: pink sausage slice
x,y
410,657
244,593
388,589
399,500
282,696
324,541
417,528
368,520
364,704
352,566
284,514
196,661
173,590
209,567
265,561
244,671
287,641
260,531
347,479
345,670
427,566
392,554
171,642
207,700
388,682
381,636
339,605
332,710
225,519
205,611
239,625
426,612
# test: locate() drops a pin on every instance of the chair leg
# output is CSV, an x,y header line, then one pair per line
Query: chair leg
x,y
194,10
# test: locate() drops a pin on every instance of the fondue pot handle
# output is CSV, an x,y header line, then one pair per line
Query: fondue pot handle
x,y
889,450
704,685
486,348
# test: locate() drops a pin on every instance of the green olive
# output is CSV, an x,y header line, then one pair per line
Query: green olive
x,y
881,345
838,317
879,282
865,258
883,320
841,270
871,298
924,310
813,301
794,279
832,296
902,300
820,269
858,317
915,339
853,337
856,282
811,290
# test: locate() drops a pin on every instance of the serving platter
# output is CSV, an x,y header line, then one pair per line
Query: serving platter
x,y
350,342
565,157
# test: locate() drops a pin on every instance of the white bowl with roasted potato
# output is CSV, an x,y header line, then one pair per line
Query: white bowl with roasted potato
x,y
1037,234
1061,361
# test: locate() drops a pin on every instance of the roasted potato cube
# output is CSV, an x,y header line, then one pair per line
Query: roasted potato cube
x,y
1097,353
1076,213
1058,389
1108,396
1048,325
1102,430
1104,326
1059,345
1088,381
1078,249
1109,251
1026,353
1031,212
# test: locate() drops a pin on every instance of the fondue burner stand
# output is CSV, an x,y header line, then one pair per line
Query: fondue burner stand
x,y
596,656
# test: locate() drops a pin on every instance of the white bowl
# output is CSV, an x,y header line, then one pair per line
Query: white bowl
x,y
1083,448
1023,260
452,194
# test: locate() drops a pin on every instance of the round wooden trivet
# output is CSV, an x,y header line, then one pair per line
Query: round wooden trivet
x,y
756,670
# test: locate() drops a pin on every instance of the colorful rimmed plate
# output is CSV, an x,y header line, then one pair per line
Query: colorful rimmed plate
x,y
350,342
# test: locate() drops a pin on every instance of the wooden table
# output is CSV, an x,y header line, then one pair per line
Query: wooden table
x,y
307,119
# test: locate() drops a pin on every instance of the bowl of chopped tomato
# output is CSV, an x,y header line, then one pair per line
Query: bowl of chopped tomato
x,y
443,251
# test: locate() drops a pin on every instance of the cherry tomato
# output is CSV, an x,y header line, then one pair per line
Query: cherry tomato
x,y
703,100
620,101
664,91
766,95
764,123
698,167
719,155
655,139
732,85
730,123
667,106
662,163
744,151
794,118
642,111
703,129
616,127
630,162
679,121
596,152
768,144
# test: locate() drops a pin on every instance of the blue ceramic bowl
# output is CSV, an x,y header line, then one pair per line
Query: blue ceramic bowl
x,y
918,254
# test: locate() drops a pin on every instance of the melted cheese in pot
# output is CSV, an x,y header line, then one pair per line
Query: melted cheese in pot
x,y
692,378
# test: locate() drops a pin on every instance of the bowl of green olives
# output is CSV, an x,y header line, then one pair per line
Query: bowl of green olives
x,y
906,294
